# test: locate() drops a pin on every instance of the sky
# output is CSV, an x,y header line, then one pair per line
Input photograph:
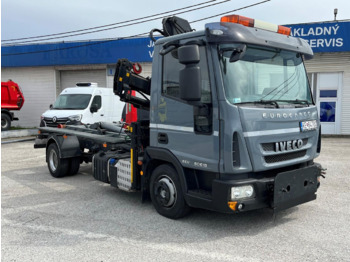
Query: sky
x,y
24,18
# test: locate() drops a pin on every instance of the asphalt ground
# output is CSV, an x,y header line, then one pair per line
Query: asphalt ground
x,y
80,219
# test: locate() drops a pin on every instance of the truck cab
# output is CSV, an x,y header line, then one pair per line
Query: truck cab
x,y
12,99
233,106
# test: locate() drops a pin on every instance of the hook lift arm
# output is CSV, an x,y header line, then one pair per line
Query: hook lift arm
x,y
126,79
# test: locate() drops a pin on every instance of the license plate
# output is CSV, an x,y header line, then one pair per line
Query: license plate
x,y
308,125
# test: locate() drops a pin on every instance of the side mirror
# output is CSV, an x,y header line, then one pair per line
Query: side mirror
x,y
93,108
190,76
50,106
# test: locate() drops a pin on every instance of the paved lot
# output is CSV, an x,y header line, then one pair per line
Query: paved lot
x,y
79,219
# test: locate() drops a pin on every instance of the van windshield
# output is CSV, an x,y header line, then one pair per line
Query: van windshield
x,y
72,101
262,75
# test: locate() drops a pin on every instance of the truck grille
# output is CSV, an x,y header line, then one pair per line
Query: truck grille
x,y
49,123
284,157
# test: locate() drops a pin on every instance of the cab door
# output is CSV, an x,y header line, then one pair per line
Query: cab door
x,y
97,116
189,132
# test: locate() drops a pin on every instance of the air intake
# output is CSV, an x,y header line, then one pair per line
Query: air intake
x,y
236,161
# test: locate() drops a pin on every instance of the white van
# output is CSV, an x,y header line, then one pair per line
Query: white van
x,y
86,103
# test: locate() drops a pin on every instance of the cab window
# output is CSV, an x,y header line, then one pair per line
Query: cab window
x,y
171,74
97,101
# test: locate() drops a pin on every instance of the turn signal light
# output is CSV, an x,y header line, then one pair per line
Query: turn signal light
x,y
246,21
232,205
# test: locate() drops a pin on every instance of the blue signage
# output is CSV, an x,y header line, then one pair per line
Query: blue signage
x,y
324,37
78,53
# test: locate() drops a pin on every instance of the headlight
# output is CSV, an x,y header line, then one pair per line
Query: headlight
x,y
240,192
41,118
75,118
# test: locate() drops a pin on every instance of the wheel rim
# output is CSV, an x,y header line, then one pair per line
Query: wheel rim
x,y
53,160
3,123
165,191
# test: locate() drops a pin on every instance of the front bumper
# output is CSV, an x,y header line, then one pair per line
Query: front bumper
x,y
283,191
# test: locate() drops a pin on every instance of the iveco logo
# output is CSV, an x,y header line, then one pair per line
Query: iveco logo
x,y
54,119
288,145
286,115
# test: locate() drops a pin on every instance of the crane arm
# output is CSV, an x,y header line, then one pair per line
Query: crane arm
x,y
126,79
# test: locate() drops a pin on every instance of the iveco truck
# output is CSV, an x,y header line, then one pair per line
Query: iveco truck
x,y
231,125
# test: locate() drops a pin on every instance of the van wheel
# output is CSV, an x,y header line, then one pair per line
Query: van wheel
x,y
58,167
166,193
5,122
74,164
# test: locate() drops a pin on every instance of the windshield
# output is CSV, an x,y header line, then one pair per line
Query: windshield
x,y
259,74
72,101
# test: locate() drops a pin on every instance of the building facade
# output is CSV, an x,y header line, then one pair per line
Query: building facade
x,y
329,72
44,70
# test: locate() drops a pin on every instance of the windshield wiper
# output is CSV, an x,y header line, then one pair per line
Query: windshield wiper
x,y
264,102
296,101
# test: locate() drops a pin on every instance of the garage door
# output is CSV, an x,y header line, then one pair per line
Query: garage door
x,y
71,77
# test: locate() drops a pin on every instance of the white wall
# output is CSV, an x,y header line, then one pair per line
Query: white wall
x,y
38,86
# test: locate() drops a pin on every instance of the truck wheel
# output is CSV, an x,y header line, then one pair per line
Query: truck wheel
x,y
5,122
74,164
58,167
166,193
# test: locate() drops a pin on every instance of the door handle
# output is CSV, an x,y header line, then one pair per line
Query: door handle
x,y
163,138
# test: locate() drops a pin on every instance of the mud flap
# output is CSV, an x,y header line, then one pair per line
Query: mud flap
x,y
295,187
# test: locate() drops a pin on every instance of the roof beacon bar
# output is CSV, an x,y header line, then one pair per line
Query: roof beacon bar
x,y
250,22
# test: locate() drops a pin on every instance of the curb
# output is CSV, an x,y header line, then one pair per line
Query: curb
x,y
17,140
19,133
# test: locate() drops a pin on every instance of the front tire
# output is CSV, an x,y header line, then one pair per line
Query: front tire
x,y
5,122
166,193
58,167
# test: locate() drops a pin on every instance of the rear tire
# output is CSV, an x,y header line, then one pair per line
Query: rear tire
x,y
74,164
166,193
5,122
58,167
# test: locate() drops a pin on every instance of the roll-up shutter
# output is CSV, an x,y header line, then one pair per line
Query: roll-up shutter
x,y
69,78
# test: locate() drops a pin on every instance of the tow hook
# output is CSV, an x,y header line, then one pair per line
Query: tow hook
x,y
322,173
